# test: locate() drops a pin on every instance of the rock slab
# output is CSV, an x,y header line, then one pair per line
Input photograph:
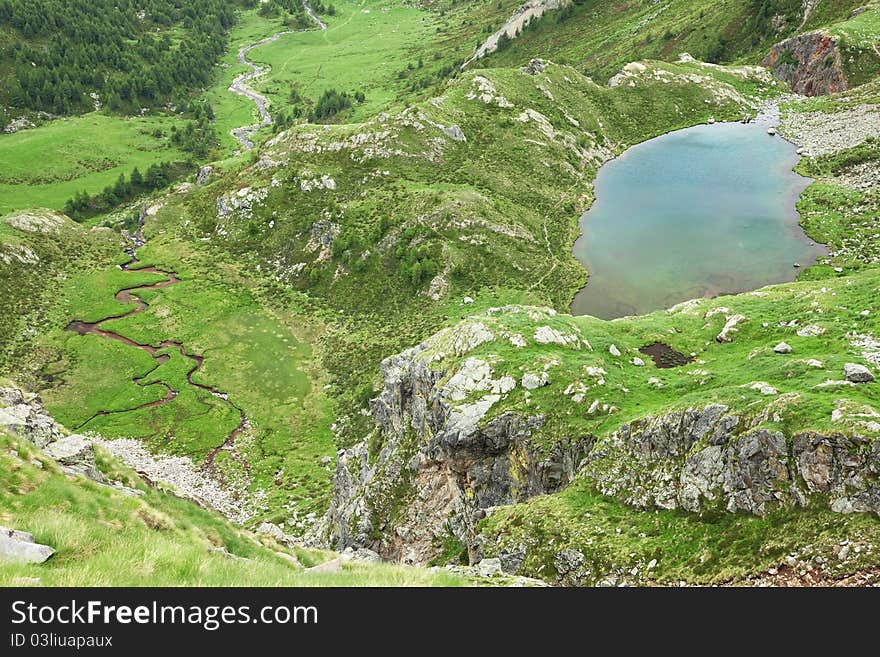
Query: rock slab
x,y
20,547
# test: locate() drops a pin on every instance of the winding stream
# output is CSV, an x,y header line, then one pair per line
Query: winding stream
x,y
127,295
239,85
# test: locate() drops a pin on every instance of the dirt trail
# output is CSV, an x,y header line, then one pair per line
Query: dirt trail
x,y
240,84
127,295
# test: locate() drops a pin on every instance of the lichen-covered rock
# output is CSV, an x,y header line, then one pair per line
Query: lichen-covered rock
x,y
489,567
23,415
846,468
204,174
755,471
534,67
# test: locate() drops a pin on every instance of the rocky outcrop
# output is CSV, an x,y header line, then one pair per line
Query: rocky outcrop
x,y
204,175
431,466
20,547
22,414
857,373
76,454
701,459
442,456
811,64
534,67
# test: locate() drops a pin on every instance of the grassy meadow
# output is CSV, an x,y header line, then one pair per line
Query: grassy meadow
x,y
340,58
45,166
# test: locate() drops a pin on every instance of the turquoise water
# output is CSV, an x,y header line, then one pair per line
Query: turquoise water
x,y
696,213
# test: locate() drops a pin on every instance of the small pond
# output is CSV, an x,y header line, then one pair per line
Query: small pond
x,y
695,213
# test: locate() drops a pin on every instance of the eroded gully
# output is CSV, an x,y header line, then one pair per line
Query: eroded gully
x,y
127,295
239,85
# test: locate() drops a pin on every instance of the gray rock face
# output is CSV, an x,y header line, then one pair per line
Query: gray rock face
x,y
512,558
437,461
23,415
857,373
20,547
701,459
811,64
204,174
424,475
846,468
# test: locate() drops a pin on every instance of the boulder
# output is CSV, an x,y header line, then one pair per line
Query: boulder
x,y
20,547
534,381
856,373
204,174
489,567
366,555
332,566
568,562
271,529
292,560
534,67
76,454
729,327
782,348
455,133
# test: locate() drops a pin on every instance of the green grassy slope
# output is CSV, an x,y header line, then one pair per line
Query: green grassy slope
x,y
107,537
424,220
623,546
599,37
45,166
307,262
298,361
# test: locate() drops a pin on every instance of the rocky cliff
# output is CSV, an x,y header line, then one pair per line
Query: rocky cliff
x,y
492,412
707,458
431,481
811,64
431,467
